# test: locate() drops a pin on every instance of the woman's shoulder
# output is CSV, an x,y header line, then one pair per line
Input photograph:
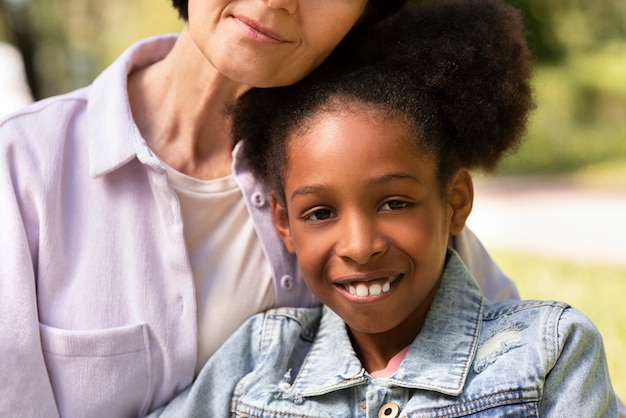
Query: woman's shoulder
x,y
44,138
46,111
40,126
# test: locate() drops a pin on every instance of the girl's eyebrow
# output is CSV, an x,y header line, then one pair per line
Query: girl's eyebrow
x,y
393,176
306,190
316,188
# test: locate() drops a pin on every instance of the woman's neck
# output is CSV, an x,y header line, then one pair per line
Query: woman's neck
x,y
179,105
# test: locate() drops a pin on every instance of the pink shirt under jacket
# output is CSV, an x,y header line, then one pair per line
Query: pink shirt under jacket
x,y
98,312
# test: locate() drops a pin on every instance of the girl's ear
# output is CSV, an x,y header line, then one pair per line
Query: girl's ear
x,y
281,223
460,200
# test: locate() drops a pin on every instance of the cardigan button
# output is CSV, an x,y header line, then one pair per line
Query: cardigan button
x,y
286,282
389,410
258,200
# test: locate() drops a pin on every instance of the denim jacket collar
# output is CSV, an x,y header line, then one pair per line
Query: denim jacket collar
x,y
439,358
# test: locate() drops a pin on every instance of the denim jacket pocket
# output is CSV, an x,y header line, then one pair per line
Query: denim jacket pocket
x,y
105,372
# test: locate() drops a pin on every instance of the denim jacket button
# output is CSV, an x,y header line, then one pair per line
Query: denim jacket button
x,y
389,410
286,282
258,200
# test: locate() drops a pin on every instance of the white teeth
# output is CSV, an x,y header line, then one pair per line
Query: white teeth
x,y
362,290
374,289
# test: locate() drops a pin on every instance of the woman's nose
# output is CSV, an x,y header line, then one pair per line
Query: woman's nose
x,y
289,6
360,241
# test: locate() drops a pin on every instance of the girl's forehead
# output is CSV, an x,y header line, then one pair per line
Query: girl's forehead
x,y
342,109
349,153
343,118
355,132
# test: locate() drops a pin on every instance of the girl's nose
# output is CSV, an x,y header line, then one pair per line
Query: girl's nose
x,y
360,241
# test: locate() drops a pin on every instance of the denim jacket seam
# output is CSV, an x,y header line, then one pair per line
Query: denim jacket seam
x,y
472,350
272,320
267,335
492,314
256,410
551,338
533,396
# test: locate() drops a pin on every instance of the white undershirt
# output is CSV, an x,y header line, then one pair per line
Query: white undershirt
x,y
233,278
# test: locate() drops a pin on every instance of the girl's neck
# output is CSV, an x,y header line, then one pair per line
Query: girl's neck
x,y
375,350
179,105
374,354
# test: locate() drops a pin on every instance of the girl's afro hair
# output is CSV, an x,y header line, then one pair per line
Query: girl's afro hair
x,y
459,71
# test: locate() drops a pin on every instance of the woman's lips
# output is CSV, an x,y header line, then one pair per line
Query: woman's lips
x,y
257,31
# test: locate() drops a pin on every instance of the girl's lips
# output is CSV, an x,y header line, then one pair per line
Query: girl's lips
x,y
366,290
369,289
257,31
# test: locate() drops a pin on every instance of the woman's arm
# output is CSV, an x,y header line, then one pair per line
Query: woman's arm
x,y
25,387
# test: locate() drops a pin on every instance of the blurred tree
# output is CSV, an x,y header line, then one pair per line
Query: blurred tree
x,y
540,17
66,43
581,26
18,30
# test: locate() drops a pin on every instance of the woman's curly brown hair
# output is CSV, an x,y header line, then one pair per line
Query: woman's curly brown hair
x,y
458,71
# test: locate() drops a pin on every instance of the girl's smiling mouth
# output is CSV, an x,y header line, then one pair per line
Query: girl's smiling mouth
x,y
365,289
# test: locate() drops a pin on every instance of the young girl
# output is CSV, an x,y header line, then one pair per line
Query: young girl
x,y
370,172
133,237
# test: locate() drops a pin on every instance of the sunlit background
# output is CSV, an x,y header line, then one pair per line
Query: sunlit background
x,y
553,217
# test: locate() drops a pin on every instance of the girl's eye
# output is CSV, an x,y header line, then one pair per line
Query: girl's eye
x,y
318,215
395,205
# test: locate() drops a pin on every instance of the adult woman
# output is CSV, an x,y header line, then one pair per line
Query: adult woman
x,y
129,223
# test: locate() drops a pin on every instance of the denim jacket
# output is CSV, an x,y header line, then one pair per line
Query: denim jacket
x,y
472,358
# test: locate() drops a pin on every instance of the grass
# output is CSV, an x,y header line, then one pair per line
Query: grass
x,y
595,289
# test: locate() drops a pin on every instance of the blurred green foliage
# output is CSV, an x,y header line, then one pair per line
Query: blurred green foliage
x,y
579,45
579,125
561,28
74,40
